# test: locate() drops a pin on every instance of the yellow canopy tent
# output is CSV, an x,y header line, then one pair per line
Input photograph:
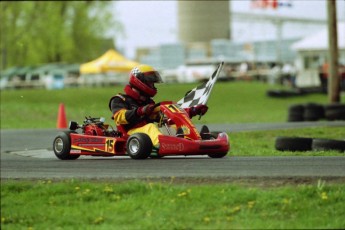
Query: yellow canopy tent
x,y
111,61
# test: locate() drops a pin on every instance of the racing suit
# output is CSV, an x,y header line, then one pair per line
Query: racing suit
x,y
124,110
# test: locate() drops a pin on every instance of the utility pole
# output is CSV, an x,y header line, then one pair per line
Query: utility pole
x,y
333,73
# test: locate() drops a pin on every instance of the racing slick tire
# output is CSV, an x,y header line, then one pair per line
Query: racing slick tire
x,y
139,146
214,135
62,146
217,155
156,156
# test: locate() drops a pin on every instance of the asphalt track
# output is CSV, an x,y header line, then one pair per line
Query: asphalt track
x,y
27,154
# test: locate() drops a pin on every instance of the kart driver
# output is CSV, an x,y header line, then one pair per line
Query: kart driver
x,y
134,111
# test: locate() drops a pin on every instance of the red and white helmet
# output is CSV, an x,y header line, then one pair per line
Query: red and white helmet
x,y
143,78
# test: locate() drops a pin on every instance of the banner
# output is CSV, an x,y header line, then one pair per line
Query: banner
x,y
274,4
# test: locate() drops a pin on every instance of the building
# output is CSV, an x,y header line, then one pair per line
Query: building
x,y
312,53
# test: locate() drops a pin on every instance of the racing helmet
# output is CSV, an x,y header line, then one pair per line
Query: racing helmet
x,y
143,77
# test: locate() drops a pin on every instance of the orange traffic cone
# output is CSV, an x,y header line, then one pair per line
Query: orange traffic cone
x,y
61,120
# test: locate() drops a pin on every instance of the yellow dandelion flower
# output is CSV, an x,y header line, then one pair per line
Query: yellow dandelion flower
x,y
251,204
151,185
116,197
236,209
86,191
207,219
324,196
108,189
182,194
98,220
286,201
229,218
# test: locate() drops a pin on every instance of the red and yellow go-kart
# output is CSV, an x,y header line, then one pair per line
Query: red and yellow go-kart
x,y
100,139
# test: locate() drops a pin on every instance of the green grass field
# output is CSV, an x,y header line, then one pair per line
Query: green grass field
x,y
72,204
156,205
231,102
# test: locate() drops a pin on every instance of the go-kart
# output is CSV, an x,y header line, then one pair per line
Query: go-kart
x,y
100,139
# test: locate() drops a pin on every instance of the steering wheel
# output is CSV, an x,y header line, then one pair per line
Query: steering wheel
x,y
162,119
160,114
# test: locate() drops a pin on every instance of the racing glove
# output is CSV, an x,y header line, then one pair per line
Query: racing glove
x,y
197,110
145,110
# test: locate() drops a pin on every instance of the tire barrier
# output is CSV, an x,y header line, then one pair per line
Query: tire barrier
x,y
308,144
315,112
293,143
335,111
296,113
328,144
278,93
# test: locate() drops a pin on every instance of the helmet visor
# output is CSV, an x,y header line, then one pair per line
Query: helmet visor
x,y
153,77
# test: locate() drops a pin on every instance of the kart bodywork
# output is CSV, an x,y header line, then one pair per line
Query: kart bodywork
x,y
100,139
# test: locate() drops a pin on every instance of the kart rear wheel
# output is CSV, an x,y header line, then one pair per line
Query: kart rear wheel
x,y
62,146
156,156
139,146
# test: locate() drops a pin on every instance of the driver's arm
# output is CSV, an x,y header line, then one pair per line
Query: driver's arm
x,y
122,114
155,114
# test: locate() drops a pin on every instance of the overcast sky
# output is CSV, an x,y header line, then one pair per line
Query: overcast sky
x,y
151,23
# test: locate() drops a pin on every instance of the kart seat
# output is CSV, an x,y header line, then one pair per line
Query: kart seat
x,y
205,133
179,132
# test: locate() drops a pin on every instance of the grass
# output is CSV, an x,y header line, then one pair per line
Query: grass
x,y
230,102
156,205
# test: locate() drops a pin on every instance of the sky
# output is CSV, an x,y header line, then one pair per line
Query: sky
x,y
152,23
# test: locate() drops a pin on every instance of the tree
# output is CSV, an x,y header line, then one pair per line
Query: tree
x,y
35,32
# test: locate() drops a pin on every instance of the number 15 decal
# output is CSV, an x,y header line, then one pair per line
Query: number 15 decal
x,y
109,145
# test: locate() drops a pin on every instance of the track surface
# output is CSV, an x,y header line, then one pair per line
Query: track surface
x,y
28,154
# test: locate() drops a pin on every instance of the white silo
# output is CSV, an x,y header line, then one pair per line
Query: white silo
x,y
203,21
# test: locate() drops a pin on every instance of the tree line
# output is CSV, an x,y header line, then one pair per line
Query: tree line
x,y
36,32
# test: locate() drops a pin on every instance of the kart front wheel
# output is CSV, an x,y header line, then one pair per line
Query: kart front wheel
x,y
213,136
217,155
139,146
62,146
